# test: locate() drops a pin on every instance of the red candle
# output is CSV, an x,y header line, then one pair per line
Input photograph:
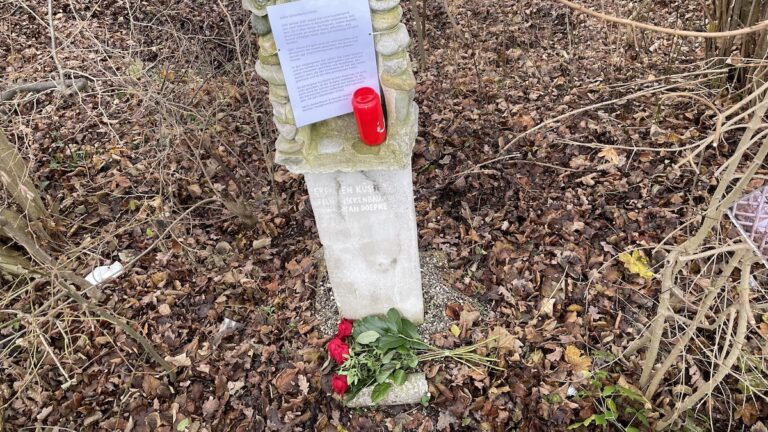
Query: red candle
x,y
366,104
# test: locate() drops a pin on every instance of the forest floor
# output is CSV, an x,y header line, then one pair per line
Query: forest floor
x,y
175,114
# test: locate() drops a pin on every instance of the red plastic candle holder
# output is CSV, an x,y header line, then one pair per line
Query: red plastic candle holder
x,y
366,104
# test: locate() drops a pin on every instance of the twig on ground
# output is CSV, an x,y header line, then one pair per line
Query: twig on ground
x,y
54,53
74,84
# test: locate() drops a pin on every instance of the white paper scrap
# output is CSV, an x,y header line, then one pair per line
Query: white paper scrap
x,y
326,52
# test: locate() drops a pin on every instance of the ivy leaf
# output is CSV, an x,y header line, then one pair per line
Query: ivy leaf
x,y
637,263
367,338
399,377
380,391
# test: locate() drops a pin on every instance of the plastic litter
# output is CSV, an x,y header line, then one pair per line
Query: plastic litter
x,y
102,273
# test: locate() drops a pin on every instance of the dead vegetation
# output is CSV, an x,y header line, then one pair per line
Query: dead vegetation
x,y
551,145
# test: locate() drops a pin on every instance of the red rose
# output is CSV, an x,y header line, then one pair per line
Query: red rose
x,y
339,384
345,328
338,350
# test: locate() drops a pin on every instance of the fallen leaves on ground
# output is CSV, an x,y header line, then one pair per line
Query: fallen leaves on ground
x,y
636,262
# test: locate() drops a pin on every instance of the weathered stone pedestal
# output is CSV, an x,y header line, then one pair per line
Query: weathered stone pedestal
x,y
367,225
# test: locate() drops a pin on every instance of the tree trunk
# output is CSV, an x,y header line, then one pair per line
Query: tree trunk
x,y
726,15
15,178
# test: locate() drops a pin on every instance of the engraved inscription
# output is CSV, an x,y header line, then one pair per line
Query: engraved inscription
x,y
352,199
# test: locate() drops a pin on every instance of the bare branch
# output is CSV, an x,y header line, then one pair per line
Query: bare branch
x,y
77,85
13,176
684,33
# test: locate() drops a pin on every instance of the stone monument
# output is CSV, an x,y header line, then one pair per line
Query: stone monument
x,y
362,196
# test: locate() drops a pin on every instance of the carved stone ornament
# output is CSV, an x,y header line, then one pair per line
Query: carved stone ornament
x,y
333,144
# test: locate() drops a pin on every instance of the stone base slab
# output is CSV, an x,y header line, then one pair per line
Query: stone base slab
x,y
411,392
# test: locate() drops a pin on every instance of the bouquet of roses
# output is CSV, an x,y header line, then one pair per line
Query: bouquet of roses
x,y
381,350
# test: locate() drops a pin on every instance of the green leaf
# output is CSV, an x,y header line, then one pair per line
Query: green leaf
x,y
367,338
425,399
609,390
399,377
630,394
384,373
418,345
351,393
409,330
386,358
575,425
182,426
394,317
643,419
380,391
376,323
600,419
388,342
632,429
612,406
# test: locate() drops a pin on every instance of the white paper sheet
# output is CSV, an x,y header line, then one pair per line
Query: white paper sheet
x,y
326,52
